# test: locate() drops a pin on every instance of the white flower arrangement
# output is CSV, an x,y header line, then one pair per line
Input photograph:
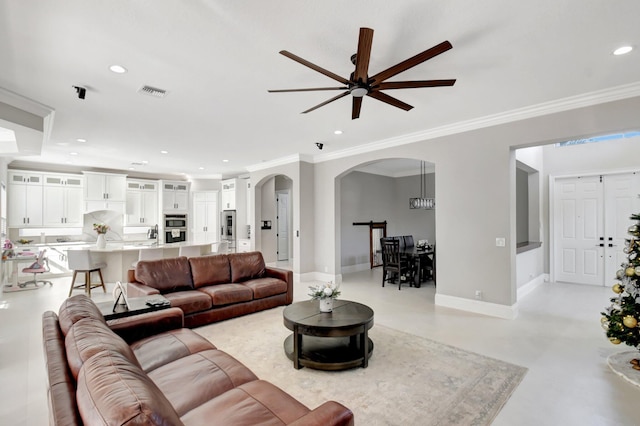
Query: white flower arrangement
x,y
324,291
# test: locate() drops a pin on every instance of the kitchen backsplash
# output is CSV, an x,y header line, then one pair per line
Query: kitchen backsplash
x,y
110,218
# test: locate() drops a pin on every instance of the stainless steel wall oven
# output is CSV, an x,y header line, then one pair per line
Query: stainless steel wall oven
x,y
175,228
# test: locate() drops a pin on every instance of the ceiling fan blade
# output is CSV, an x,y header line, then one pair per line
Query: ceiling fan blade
x,y
314,67
357,104
412,62
326,102
363,55
313,89
413,84
389,100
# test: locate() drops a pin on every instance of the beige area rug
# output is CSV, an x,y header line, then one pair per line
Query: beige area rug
x,y
409,381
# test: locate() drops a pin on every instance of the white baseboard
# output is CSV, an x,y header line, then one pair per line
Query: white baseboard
x,y
318,276
527,288
477,306
356,268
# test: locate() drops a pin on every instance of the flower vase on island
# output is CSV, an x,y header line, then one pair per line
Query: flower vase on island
x,y
101,229
325,294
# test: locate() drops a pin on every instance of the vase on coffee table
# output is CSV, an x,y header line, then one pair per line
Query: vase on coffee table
x,y
326,304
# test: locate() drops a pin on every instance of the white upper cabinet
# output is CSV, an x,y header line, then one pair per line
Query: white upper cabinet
x,y
24,199
175,196
62,200
105,186
142,203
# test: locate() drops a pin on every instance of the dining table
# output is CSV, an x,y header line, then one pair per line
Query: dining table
x,y
420,255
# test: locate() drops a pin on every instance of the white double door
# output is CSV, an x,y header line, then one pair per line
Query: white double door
x,y
591,219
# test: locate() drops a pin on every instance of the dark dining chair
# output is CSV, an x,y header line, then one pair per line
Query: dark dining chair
x,y
393,263
408,241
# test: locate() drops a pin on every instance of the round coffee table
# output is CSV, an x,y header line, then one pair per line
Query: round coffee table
x,y
335,340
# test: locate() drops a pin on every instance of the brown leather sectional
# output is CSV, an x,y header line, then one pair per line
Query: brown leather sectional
x,y
169,375
213,288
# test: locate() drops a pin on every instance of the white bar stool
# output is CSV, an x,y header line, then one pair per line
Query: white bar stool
x,y
190,251
149,254
80,261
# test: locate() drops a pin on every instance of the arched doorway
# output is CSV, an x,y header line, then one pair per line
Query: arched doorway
x,y
379,191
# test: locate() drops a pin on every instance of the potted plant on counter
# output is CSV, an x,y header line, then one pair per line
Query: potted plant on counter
x,y
101,229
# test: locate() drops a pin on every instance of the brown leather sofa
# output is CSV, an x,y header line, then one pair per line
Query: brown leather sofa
x,y
213,288
158,374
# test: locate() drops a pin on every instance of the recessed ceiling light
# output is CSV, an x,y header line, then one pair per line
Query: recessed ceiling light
x,y
81,140
622,50
164,152
145,162
225,161
62,143
132,168
200,168
118,69
73,153
338,132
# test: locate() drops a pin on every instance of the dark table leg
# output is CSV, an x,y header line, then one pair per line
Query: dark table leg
x,y
364,343
297,347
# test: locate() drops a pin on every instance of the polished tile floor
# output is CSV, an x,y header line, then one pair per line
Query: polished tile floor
x,y
557,336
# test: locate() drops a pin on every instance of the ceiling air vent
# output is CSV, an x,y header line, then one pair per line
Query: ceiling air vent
x,y
153,91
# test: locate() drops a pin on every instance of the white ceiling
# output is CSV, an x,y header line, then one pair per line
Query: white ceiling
x,y
217,59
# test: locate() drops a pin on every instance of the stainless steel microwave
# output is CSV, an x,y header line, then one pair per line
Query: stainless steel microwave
x,y
175,221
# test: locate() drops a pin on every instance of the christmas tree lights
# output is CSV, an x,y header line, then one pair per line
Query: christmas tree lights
x,y
620,320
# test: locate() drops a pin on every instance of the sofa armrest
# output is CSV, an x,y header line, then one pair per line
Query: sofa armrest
x,y
284,275
330,413
140,290
138,327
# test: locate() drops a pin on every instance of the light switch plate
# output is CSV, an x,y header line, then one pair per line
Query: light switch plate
x,y
500,242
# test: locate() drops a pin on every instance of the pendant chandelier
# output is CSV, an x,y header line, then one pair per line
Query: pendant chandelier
x,y
422,202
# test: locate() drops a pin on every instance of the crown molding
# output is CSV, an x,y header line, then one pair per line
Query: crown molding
x,y
560,105
552,107
295,158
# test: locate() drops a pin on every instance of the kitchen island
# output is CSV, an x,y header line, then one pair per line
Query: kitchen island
x,y
120,256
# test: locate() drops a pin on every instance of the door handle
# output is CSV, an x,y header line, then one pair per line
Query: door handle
x,y
612,245
600,245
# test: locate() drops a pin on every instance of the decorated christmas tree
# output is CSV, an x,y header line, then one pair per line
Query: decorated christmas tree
x,y
620,320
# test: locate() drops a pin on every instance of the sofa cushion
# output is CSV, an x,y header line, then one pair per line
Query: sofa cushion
x,y
113,391
210,270
193,380
166,275
189,301
161,349
253,403
245,266
88,337
226,294
265,287
76,308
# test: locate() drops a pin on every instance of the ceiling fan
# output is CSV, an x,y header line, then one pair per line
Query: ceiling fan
x,y
360,84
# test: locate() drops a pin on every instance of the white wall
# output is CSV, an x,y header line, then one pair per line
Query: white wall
x,y
368,197
475,189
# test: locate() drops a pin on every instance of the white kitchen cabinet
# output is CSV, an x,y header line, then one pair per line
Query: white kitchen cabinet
x,y
92,206
25,204
142,203
228,195
57,179
62,200
25,178
205,216
63,206
175,196
105,186
244,245
234,197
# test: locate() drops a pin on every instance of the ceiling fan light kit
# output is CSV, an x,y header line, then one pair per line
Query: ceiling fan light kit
x,y
360,84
